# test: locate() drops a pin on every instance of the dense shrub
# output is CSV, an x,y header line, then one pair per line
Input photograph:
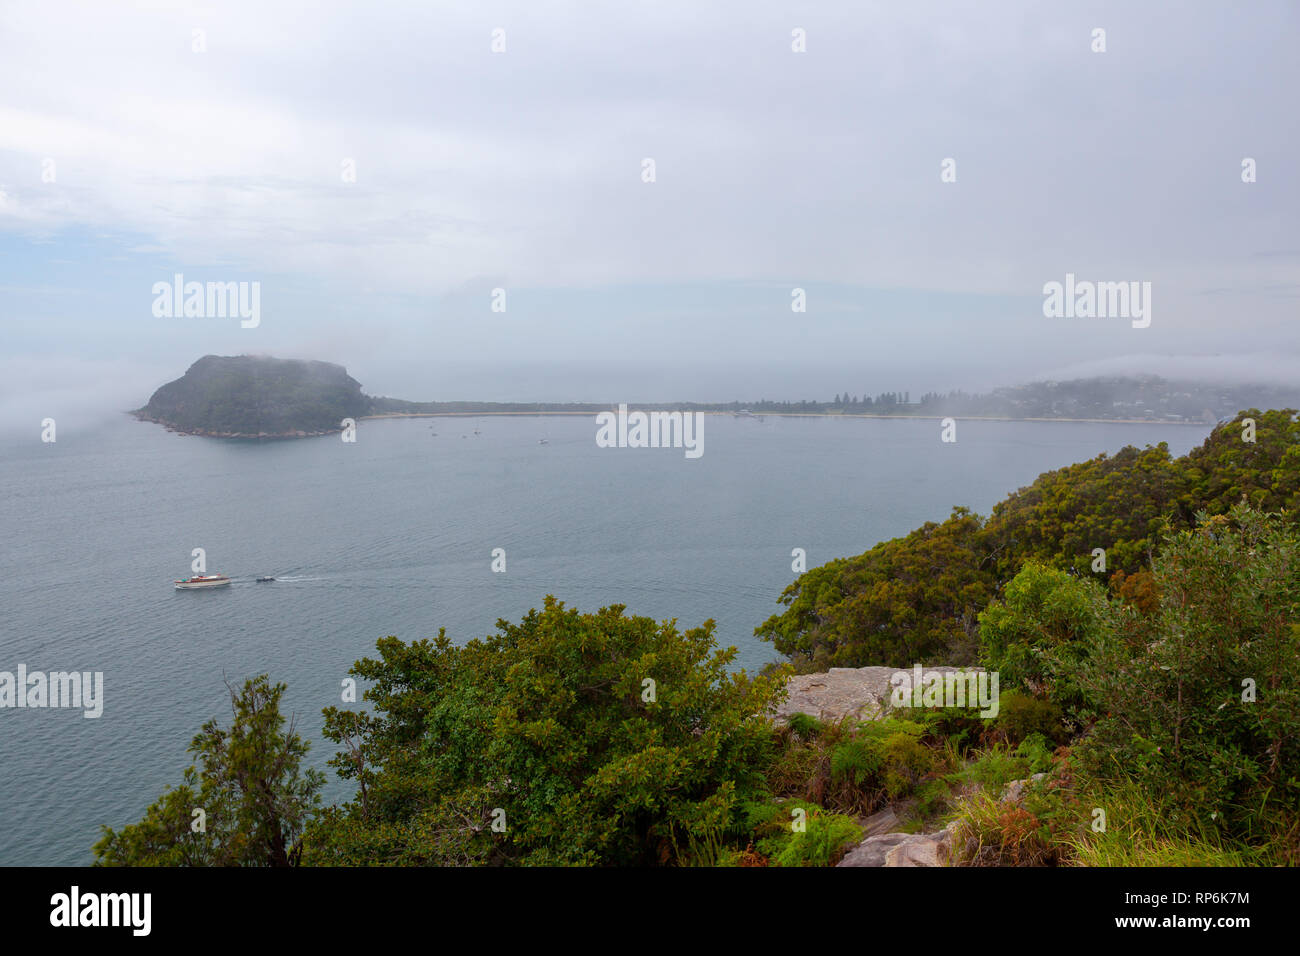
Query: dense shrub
x,y
915,598
548,729
1202,698
1033,833
1021,716
249,783
906,600
812,837
856,766
1044,625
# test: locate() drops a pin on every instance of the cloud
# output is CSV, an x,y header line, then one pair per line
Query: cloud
x,y
772,167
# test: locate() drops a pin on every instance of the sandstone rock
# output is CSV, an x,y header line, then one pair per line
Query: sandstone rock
x,y
862,692
925,849
1014,792
901,849
872,850
884,821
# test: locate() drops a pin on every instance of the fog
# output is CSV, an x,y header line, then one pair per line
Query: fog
x,y
380,171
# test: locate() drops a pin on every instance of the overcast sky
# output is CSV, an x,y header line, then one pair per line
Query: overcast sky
x,y
126,157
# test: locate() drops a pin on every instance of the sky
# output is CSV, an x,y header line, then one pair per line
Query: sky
x,y
379,169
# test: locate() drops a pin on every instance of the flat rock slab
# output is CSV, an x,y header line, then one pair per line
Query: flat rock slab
x,y
901,849
873,850
862,692
883,821
931,850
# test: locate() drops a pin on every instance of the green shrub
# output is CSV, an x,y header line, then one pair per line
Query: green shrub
x,y
994,769
960,726
805,726
546,730
905,762
856,761
908,599
990,832
1170,690
1037,752
822,840
1044,625
250,782
855,766
1021,716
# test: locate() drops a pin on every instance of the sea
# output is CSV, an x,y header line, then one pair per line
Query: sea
x,y
397,533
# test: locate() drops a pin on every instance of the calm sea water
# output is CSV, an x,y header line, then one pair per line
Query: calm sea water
x,y
394,535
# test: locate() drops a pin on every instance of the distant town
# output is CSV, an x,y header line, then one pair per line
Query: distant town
x,y
1139,398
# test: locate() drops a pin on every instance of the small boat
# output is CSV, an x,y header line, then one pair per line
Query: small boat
x,y
202,581
264,580
542,441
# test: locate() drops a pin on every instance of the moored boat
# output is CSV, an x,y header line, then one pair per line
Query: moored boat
x,y
202,581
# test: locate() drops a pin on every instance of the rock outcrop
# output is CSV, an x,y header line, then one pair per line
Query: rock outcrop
x,y
902,849
1014,792
863,692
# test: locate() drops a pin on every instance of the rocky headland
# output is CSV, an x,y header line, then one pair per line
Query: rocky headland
x,y
258,397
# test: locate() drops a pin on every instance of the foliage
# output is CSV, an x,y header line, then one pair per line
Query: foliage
x,y
822,841
255,798
905,601
1173,691
991,832
993,769
1044,624
805,726
1148,827
1035,750
550,730
855,766
1021,716
915,599
1138,590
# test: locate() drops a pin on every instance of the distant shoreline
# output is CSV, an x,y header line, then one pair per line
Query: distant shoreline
x,y
289,436
968,418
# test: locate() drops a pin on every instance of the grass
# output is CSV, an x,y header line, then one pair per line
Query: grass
x,y
839,773
1145,829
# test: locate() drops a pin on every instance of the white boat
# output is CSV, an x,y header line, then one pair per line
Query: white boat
x,y
202,581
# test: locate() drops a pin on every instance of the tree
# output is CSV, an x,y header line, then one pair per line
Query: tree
x,y
906,601
1193,691
246,806
1202,697
916,597
567,738
1042,627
